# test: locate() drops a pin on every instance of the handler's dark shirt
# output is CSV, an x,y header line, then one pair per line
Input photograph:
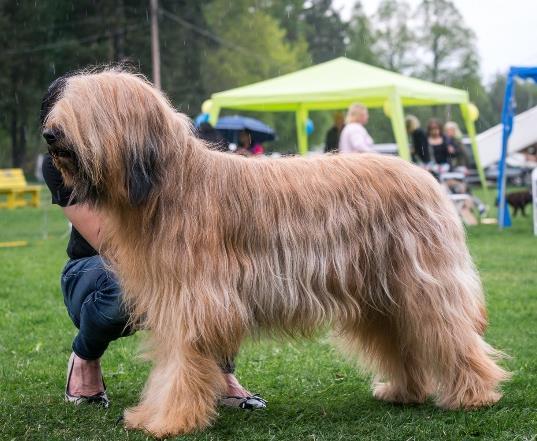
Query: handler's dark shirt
x,y
331,142
78,247
421,145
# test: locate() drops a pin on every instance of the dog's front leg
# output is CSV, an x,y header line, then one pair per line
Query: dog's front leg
x,y
181,393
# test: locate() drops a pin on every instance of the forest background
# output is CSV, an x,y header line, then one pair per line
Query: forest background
x,y
215,45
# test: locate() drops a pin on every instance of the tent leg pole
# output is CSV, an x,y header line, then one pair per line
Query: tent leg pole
x,y
301,116
470,128
213,115
397,118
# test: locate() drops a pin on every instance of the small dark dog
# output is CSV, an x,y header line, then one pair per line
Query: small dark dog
x,y
518,200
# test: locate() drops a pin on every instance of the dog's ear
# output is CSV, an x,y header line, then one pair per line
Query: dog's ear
x,y
141,179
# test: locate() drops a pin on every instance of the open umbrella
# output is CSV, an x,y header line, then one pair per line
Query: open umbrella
x,y
230,127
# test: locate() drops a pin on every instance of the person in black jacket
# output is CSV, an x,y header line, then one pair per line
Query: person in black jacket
x,y
331,142
420,145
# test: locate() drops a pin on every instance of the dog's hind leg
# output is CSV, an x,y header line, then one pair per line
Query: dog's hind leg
x,y
180,395
400,374
448,320
465,366
468,377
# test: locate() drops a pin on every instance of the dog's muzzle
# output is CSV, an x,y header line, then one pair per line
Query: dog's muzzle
x,y
51,137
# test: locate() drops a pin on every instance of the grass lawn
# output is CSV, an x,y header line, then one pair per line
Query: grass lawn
x,y
313,394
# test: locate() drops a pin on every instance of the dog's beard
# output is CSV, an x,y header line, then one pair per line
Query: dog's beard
x,y
68,168
74,177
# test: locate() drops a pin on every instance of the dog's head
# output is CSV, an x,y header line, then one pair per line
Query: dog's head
x,y
109,133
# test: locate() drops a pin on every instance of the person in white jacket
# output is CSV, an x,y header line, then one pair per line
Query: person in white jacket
x,y
354,137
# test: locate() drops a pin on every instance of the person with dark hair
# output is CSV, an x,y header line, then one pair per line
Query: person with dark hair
x,y
247,145
331,142
437,142
420,145
208,133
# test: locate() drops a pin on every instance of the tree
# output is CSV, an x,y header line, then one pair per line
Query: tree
x,y
20,74
184,44
360,37
446,44
253,49
289,14
325,31
393,37
525,95
316,21
41,42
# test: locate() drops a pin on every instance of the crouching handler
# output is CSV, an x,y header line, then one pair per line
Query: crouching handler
x,y
93,299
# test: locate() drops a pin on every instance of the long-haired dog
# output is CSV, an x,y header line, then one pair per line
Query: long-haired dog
x,y
210,248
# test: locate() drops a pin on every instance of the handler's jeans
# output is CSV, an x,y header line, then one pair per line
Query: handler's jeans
x,y
94,302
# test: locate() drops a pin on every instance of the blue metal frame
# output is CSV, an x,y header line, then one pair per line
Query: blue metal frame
x,y
508,113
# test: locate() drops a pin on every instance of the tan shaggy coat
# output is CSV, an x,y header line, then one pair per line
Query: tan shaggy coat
x,y
210,248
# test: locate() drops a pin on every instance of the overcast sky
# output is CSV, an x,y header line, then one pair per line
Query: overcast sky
x,y
506,30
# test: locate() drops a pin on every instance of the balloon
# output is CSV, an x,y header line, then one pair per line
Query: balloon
x,y
206,106
201,118
473,112
387,109
310,127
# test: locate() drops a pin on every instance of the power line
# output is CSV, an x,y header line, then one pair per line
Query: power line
x,y
210,35
91,38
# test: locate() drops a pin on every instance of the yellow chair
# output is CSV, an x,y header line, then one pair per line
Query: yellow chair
x,y
14,186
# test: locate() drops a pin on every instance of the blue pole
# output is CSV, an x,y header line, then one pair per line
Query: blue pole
x,y
504,218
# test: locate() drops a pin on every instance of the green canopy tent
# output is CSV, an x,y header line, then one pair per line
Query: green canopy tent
x,y
338,83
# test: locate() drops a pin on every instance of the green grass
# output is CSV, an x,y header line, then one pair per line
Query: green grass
x,y
313,394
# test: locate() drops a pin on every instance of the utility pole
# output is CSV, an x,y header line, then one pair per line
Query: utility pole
x,y
155,50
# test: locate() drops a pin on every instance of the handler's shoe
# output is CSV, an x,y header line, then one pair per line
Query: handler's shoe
x,y
100,399
252,402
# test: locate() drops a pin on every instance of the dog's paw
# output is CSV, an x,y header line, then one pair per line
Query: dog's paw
x,y
472,401
159,425
484,400
170,428
136,417
392,394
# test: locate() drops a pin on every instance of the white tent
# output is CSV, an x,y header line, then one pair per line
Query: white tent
x,y
524,134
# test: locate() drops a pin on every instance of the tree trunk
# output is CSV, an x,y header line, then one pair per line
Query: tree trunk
x,y
118,39
22,145
18,142
14,135
434,72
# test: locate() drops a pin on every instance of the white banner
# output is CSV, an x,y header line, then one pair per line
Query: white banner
x,y
534,202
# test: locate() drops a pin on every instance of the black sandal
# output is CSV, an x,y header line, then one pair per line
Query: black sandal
x,y
252,402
